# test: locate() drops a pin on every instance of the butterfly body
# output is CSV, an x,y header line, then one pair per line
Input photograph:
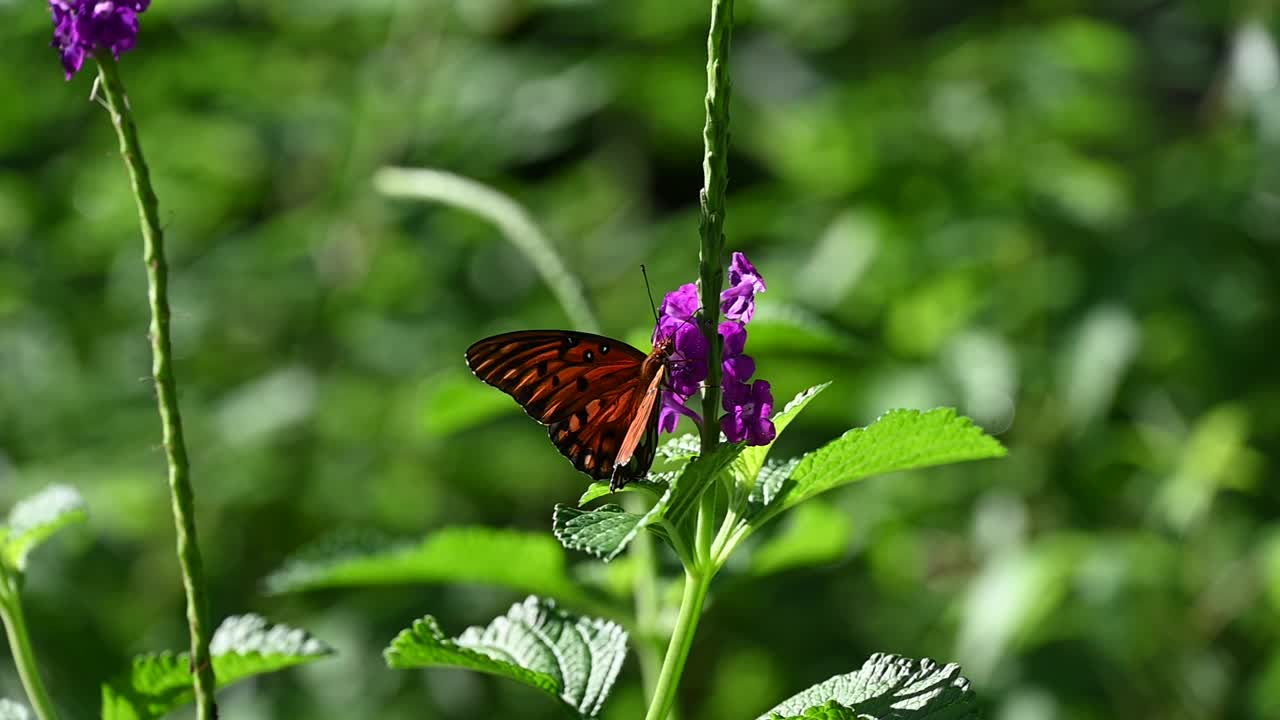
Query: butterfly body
x,y
597,396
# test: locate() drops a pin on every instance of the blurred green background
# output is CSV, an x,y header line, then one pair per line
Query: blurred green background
x,y
1060,216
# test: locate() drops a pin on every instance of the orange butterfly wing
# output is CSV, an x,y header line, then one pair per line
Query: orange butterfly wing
x,y
596,395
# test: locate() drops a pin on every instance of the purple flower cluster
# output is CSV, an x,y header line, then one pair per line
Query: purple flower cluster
x,y
747,404
80,27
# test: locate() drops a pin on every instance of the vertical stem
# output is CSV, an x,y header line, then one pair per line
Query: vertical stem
x,y
15,626
695,594
645,588
715,176
715,179
166,387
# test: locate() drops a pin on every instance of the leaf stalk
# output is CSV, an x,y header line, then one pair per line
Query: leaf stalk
x,y
15,627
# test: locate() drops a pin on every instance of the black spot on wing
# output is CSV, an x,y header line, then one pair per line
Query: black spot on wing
x,y
583,383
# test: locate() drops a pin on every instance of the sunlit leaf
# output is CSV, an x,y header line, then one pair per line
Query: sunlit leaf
x,y
687,489
574,659
522,561
605,531
243,646
34,519
888,686
899,440
10,710
831,710
680,446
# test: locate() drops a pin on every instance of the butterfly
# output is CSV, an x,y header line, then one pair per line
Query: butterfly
x,y
597,396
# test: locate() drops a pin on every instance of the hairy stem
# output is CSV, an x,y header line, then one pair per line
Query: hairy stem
x,y
15,627
648,608
715,180
695,594
715,169
166,386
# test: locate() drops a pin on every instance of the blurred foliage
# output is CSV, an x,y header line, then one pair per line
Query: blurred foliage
x,y
1060,216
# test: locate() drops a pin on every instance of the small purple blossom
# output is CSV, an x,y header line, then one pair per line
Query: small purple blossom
x,y
738,301
748,406
80,27
738,367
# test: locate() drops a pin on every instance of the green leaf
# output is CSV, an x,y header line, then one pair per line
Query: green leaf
x,y
888,686
10,710
815,534
242,647
746,467
605,531
522,561
572,658
655,484
680,446
899,440
687,489
769,484
34,519
830,711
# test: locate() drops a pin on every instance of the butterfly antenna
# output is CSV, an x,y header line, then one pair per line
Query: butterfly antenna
x,y
649,290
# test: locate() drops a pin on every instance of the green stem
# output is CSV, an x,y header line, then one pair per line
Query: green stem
x,y
695,594
166,386
715,177
15,626
645,589
715,180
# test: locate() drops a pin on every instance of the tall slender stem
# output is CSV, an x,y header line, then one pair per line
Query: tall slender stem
x,y
166,386
715,180
15,627
695,594
715,176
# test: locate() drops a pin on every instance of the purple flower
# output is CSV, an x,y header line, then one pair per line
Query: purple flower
x,y
749,408
81,27
737,366
738,301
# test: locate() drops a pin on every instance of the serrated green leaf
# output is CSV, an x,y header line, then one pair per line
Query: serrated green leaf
x,y
680,446
10,710
770,481
574,659
899,440
746,467
522,561
687,489
243,646
830,711
889,686
34,519
815,533
607,530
